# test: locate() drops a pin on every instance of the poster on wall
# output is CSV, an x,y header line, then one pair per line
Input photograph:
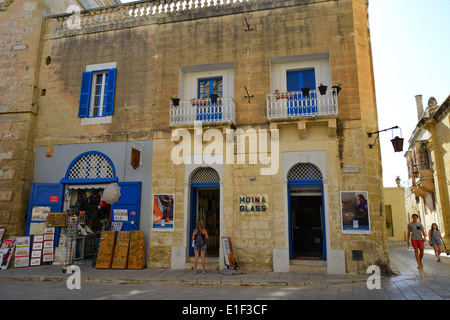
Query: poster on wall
x,y
228,253
6,252
163,209
355,212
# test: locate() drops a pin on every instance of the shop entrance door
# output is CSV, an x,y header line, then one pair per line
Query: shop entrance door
x,y
205,206
306,223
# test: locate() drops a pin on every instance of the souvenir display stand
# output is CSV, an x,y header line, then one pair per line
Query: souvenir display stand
x,y
125,252
121,250
136,258
105,250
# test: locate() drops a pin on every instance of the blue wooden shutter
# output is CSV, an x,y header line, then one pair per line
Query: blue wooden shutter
x,y
85,96
130,199
46,195
110,91
309,78
293,81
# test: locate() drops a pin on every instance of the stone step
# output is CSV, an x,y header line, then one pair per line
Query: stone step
x,y
308,266
211,263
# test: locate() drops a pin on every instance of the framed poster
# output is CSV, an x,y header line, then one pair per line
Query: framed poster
x,y
35,262
163,211
39,238
228,253
37,246
21,262
120,215
355,212
37,228
47,258
6,252
40,213
57,219
36,253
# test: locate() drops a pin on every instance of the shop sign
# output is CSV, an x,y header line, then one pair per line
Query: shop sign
x,y
230,260
54,199
254,203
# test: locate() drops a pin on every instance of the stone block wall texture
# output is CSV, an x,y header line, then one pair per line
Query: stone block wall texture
x,y
21,27
149,52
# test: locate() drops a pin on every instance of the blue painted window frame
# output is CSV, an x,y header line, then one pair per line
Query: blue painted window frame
x,y
295,81
66,179
87,88
209,112
211,87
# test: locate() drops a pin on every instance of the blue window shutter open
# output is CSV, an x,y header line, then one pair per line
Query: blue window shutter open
x,y
85,96
110,92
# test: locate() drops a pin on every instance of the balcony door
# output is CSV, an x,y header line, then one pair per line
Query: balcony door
x,y
209,106
300,104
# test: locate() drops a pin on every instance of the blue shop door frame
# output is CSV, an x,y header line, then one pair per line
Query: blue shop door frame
x,y
193,209
306,183
130,200
46,195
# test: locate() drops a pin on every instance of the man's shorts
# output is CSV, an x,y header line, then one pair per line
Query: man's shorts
x,y
418,244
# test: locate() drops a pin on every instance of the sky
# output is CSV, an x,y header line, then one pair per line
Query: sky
x,y
411,56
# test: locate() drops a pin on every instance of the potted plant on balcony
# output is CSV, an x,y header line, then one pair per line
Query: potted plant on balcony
x,y
175,102
338,89
282,95
198,102
305,90
323,89
214,98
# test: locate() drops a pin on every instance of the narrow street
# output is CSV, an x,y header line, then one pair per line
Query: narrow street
x,y
431,283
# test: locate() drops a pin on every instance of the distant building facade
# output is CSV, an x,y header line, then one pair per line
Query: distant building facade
x,y
428,163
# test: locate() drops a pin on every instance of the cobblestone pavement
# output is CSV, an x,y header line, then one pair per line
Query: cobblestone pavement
x,y
409,283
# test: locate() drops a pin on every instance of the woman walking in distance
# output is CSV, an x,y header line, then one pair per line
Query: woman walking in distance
x,y
200,235
435,239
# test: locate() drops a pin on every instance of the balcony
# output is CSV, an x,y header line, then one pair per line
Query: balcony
x,y
221,111
294,105
422,180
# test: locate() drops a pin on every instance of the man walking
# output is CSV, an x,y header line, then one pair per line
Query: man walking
x,y
416,232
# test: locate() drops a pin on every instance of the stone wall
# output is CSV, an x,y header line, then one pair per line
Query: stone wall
x,y
150,43
20,46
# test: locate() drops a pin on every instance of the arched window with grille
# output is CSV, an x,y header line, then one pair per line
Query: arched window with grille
x,y
91,167
305,174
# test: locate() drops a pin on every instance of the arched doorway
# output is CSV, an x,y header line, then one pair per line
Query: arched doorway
x,y
205,206
306,212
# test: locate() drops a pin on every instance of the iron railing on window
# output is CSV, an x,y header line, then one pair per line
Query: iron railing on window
x,y
282,105
186,112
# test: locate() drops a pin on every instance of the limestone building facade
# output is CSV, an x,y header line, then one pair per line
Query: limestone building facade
x,y
429,164
214,96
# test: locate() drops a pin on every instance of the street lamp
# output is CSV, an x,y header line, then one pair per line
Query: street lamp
x,y
397,142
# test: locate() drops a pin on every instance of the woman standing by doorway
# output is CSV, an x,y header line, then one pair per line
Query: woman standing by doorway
x,y
199,236
435,238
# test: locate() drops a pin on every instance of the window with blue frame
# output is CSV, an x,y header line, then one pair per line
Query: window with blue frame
x,y
300,103
97,93
212,89
207,87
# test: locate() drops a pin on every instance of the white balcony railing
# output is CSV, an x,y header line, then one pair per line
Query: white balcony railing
x,y
287,105
204,110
